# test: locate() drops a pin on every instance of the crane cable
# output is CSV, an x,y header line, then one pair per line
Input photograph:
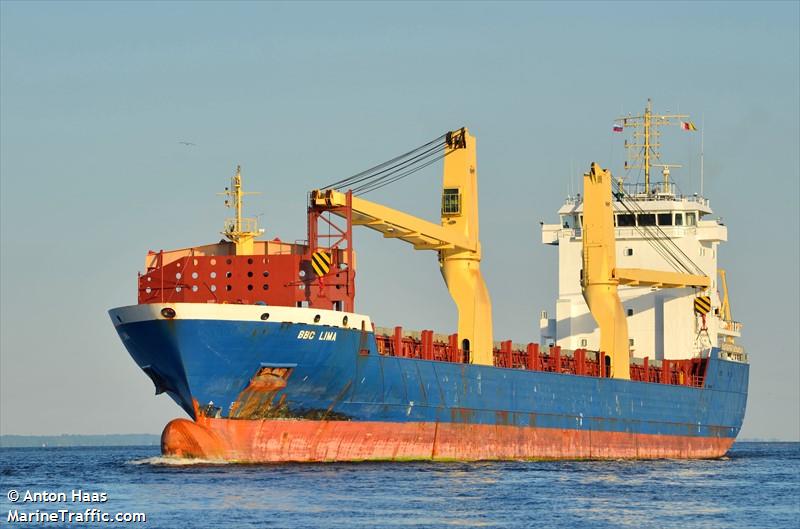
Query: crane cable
x,y
661,242
668,252
382,182
669,256
395,169
665,253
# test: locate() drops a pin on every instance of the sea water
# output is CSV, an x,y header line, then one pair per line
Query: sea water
x,y
757,485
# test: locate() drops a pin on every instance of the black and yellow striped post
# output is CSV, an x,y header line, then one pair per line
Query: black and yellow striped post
x,y
702,305
321,262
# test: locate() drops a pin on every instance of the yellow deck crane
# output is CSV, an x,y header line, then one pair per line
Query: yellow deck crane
x,y
600,277
455,239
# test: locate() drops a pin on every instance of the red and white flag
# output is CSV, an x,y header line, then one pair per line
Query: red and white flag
x,y
617,128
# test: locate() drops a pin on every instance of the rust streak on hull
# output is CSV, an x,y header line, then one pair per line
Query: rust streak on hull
x,y
299,440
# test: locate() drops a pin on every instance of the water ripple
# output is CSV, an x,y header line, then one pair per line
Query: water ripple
x,y
758,485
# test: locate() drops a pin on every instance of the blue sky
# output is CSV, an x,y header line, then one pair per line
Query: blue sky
x,y
94,98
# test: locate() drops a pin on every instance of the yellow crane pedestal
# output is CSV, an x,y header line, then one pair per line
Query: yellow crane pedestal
x,y
597,278
600,278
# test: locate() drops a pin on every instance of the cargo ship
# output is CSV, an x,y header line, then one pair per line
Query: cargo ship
x,y
260,344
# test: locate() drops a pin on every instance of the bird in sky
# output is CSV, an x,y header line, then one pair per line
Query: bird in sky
x,y
188,143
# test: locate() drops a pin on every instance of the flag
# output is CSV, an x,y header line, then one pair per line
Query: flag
x,y
688,125
617,128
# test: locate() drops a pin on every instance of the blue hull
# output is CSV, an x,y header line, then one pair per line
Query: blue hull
x,y
343,377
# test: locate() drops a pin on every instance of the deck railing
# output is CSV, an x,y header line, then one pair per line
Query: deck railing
x,y
425,345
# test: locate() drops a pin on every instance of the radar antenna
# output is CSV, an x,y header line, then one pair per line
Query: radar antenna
x,y
643,151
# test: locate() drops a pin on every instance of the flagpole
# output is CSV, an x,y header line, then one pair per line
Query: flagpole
x,y
571,176
702,153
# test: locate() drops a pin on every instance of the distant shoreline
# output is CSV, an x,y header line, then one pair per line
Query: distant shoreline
x,y
70,440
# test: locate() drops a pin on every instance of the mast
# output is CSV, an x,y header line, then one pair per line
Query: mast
x,y
643,151
702,149
237,197
239,230
648,112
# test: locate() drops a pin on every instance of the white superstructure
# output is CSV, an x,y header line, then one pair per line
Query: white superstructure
x,y
662,323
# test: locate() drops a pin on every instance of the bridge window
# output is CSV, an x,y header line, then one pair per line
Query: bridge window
x,y
691,219
627,252
646,219
665,219
451,202
626,219
679,219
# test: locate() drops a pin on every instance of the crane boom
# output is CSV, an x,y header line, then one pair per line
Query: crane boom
x,y
638,277
725,308
395,224
455,239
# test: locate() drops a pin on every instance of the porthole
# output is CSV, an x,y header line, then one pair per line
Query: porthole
x,y
228,288
194,288
250,274
344,321
168,312
213,262
228,274
149,279
213,288
316,318
194,262
148,290
266,273
265,287
178,275
213,275
249,261
195,275
178,289
265,316
228,261
249,287
302,273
